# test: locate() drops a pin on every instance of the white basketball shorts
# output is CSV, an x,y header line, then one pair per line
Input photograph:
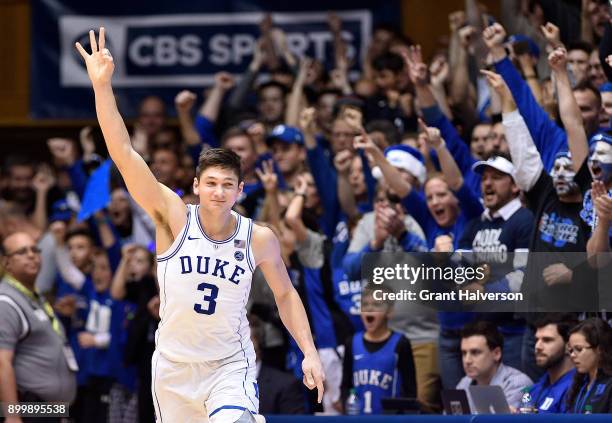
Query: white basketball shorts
x,y
213,391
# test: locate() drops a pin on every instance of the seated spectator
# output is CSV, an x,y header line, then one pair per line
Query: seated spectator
x,y
589,348
551,337
378,363
481,351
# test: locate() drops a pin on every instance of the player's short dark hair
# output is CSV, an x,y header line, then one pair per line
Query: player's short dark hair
x,y
580,45
487,329
563,321
388,129
587,85
272,84
389,61
219,157
80,232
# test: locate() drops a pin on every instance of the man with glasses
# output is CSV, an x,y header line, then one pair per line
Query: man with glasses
x,y
36,363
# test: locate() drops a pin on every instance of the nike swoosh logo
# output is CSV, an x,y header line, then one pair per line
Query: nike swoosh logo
x,y
191,239
358,356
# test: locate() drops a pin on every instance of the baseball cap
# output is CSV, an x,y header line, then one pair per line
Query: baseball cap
x,y
60,211
286,134
496,162
605,87
534,50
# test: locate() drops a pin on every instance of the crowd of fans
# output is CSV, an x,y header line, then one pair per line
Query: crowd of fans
x,y
502,142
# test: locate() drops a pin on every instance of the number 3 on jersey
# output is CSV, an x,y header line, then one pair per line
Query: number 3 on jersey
x,y
210,295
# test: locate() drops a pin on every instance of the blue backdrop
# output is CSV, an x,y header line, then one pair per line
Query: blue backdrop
x,y
162,47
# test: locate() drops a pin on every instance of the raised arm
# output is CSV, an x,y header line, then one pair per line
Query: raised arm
x,y
295,101
293,215
525,156
392,175
210,109
448,165
547,136
568,109
348,203
152,196
184,102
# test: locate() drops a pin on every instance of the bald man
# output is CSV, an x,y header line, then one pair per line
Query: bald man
x,y
43,367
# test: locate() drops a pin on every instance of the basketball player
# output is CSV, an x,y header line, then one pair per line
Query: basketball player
x,y
204,363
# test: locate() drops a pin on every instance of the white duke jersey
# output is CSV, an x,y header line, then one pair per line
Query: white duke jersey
x,y
204,286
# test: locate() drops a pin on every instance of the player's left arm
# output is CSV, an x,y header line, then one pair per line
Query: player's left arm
x,y
266,249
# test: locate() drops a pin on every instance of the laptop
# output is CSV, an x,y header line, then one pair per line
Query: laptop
x,y
488,400
455,402
400,405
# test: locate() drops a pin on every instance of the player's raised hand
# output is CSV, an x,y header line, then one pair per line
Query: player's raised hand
x,y
313,374
100,65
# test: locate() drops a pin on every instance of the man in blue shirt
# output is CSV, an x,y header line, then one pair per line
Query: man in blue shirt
x,y
552,333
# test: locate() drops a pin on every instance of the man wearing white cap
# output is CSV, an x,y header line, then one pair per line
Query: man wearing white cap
x,y
504,227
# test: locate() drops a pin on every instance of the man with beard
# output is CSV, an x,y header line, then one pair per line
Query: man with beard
x,y
551,336
18,175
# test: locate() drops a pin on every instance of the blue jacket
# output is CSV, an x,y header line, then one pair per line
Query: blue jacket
x,y
547,136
